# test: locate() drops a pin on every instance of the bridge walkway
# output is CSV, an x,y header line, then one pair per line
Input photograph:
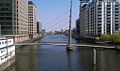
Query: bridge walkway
x,y
66,44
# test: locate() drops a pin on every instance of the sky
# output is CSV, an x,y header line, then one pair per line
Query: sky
x,y
54,14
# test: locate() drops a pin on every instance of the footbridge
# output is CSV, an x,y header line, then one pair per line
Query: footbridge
x,y
66,44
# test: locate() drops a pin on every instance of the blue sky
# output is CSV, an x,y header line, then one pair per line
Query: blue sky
x,y
54,14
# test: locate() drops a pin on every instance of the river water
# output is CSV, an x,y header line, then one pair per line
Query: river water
x,y
56,58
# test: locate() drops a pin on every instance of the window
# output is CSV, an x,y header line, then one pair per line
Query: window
x,y
108,8
3,50
10,41
99,8
99,11
116,12
2,42
1,4
5,42
8,4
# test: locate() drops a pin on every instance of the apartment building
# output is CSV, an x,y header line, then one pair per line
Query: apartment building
x,y
99,17
14,19
32,20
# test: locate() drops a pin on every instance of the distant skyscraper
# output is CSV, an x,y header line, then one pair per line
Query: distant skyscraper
x,y
78,26
43,30
14,19
99,17
39,26
32,20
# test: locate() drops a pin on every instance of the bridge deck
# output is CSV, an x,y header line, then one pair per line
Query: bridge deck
x,y
65,44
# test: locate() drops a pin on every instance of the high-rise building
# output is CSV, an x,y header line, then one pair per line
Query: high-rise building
x,y
32,20
99,17
14,19
39,27
83,24
78,26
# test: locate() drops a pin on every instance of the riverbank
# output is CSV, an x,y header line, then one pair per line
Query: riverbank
x,y
94,41
31,40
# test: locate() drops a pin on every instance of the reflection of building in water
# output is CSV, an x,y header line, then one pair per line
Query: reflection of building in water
x,y
108,60
26,59
7,52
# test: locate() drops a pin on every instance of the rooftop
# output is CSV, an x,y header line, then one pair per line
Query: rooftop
x,y
31,3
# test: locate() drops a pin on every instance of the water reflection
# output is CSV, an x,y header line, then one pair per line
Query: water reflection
x,y
84,59
108,60
27,59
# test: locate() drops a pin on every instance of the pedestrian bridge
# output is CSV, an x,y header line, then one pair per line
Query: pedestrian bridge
x,y
66,44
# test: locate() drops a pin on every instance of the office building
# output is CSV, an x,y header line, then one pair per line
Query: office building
x,y
99,17
14,19
32,20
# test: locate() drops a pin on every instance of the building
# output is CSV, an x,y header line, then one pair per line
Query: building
x,y
78,26
99,17
14,19
66,32
62,31
76,30
39,27
32,20
7,52
43,31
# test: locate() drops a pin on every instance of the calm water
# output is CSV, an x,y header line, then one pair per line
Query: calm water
x,y
55,58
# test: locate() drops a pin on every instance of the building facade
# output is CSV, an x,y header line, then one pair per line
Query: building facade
x,y
14,19
32,20
99,17
7,53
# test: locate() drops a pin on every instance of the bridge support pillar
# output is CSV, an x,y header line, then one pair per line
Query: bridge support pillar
x,y
69,48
